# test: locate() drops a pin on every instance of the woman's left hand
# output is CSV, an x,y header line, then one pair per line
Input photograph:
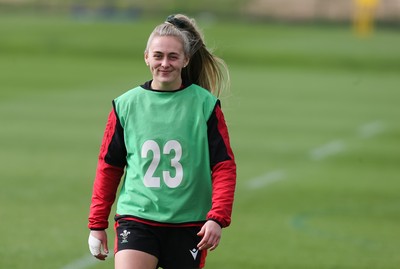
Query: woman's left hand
x,y
211,235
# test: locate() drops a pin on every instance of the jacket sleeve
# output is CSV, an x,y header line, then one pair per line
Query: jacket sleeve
x,y
223,169
110,168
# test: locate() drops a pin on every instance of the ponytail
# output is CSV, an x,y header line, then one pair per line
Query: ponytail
x,y
204,68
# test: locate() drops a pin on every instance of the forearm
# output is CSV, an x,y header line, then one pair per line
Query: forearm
x,y
223,186
104,192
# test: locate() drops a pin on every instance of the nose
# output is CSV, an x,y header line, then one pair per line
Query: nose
x,y
164,62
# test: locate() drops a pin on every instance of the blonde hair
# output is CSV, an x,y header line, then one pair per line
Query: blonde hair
x,y
204,68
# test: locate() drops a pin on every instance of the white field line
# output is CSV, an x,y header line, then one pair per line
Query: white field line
x,y
81,263
371,129
266,179
326,150
367,130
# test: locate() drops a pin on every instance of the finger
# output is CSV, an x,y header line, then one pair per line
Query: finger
x,y
105,247
215,245
101,257
201,233
212,242
202,245
204,242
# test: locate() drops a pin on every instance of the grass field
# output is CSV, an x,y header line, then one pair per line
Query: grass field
x,y
314,121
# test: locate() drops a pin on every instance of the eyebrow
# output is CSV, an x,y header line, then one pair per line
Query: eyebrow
x,y
171,53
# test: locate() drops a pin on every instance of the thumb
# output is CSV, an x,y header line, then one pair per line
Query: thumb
x,y
105,246
202,230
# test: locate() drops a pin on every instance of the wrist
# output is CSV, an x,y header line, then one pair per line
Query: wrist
x,y
216,221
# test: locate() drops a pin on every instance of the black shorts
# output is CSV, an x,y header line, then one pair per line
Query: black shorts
x,y
175,247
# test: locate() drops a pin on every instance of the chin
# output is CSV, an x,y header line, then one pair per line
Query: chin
x,y
165,80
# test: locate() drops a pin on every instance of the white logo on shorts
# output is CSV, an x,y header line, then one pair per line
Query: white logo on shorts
x,y
194,253
124,236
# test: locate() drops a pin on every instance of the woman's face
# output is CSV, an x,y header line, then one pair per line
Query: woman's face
x,y
166,58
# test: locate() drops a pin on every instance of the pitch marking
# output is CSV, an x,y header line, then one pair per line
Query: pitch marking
x,y
329,149
371,129
82,263
266,179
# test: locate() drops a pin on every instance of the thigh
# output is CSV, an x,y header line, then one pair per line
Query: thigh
x,y
134,259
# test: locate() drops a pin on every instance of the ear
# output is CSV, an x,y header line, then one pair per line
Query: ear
x,y
146,57
187,60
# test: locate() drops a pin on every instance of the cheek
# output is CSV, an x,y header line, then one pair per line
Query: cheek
x,y
153,66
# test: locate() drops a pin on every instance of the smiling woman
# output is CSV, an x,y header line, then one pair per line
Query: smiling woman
x,y
170,138
186,49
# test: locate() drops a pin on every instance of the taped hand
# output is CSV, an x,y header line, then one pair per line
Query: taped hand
x,y
98,244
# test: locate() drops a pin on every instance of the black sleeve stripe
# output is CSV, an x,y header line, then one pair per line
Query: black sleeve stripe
x,y
116,152
217,148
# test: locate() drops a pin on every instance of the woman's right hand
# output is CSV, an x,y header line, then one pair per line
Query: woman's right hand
x,y
98,244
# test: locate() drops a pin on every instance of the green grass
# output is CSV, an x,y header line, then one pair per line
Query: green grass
x,y
294,89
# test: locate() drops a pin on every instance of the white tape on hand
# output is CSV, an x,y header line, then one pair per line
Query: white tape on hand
x,y
94,245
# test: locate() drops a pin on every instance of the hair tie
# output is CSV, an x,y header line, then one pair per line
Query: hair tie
x,y
175,22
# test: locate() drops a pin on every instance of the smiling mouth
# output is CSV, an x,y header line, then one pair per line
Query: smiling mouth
x,y
165,71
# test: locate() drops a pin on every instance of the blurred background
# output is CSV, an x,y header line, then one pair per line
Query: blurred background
x,y
288,10
313,114
386,11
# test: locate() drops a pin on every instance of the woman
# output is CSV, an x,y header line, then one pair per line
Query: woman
x,y
170,139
